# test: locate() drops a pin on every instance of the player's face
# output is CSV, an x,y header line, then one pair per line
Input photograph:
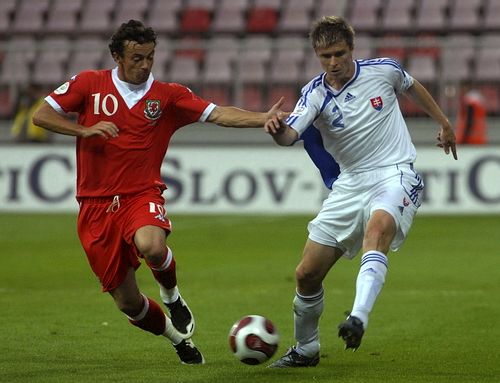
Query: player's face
x,y
336,61
135,65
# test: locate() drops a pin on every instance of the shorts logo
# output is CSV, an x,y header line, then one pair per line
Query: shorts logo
x,y
161,217
405,202
377,103
158,210
152,111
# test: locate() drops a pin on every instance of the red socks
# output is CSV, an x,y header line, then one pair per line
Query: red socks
x,y
152,318
164,273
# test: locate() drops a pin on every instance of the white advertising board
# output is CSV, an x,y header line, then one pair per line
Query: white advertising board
x,y
249,180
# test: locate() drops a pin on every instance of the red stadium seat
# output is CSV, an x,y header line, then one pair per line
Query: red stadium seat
x,y
262,20
195,20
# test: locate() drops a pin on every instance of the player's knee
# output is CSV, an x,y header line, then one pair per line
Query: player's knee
x,y
307,278
153,252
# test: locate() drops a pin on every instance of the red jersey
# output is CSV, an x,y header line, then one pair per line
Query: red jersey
x,y
146,115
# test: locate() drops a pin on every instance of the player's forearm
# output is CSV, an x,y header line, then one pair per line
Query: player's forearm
x,y
230,116
285,137
47,118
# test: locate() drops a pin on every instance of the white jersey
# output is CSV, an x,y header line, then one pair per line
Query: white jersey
x,y
359,126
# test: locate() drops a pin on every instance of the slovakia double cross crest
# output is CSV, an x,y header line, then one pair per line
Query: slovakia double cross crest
x,y
377,103
152,111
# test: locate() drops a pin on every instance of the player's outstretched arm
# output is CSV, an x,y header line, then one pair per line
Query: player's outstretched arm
x,y
231,116
48,118
446,137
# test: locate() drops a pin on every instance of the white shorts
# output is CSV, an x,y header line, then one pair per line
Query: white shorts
x,y
341,222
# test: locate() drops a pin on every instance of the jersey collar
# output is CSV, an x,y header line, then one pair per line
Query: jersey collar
x,y
131,93
335,92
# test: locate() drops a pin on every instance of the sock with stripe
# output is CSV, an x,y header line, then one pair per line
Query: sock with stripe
x,y
165,275
153,319
371,278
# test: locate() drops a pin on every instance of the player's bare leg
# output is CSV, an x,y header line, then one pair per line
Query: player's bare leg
x,y
379,233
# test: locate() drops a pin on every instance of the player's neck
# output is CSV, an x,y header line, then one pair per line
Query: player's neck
x,y
338,83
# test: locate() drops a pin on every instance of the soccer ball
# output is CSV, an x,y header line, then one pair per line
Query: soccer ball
x,y
253,339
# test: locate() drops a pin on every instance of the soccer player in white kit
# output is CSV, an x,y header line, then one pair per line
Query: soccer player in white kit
x,y
349,115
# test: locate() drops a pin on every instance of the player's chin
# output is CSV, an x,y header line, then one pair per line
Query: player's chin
x,y
141,78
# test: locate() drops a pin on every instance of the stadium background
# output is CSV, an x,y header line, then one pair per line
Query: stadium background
x,y
251,52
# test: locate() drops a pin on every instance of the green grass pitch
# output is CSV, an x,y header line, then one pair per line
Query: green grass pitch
x,y
437,319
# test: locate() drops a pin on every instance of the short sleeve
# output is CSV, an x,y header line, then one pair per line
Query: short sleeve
x,y
189,107
305,112
401,79
70,96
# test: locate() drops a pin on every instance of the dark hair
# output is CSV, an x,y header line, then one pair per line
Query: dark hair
x,y
133,30
330,30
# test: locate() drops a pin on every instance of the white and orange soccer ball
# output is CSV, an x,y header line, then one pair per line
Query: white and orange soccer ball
x,y
253,339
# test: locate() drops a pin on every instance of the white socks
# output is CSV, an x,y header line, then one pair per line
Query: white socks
x,y
306,313
371,278
171,332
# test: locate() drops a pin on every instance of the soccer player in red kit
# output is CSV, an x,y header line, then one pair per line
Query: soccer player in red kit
x,y
126,119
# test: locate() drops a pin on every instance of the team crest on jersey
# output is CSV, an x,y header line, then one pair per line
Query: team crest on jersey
x,y
377,103
152,110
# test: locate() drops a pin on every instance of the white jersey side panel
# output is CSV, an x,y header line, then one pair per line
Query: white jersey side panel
x,y
361,124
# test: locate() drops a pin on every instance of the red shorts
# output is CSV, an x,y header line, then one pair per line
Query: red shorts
x,y
106,227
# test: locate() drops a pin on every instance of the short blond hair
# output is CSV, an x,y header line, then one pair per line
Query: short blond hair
x,y
330,30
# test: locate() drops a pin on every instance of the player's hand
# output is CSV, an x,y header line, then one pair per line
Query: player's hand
x,y
276,123
275,118
105,129
446,140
